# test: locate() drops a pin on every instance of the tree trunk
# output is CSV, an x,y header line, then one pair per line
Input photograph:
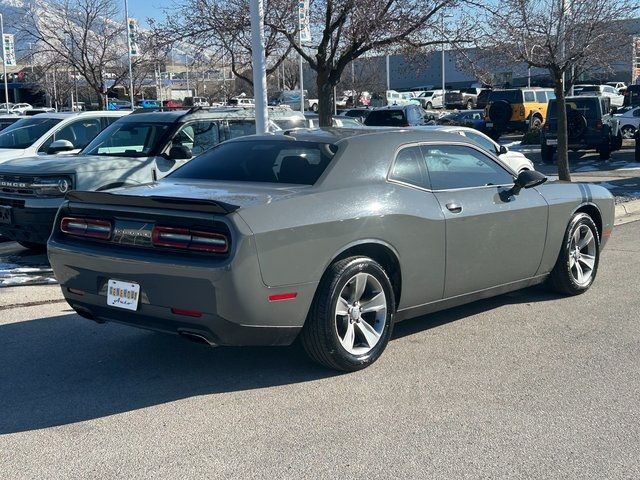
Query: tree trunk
x,y
561,115
325,98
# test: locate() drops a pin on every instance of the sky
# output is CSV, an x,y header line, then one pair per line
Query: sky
x,y
143,9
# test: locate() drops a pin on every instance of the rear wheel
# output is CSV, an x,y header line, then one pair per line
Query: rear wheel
x,y
314,108
429,106
628,131
535,123
349,324
577,263
604,152
547,154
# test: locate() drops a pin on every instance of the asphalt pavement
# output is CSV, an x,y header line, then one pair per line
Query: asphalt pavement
x,y
525,385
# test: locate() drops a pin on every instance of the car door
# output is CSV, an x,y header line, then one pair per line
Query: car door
x,y
491,238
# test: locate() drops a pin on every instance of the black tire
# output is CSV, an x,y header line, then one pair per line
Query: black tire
x,y
616,142
500,113
604,152
547,154
314,108
576,125
628,131
469,104
428,106
36,247
535,123
495,134
319,336
561,279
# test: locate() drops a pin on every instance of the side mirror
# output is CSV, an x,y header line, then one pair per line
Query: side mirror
x,y
60,146
502,150
180,152
527,179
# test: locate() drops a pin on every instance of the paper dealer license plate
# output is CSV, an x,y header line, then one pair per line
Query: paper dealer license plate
x,y
123,295
552,141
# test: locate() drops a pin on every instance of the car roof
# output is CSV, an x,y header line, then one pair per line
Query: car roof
x,y
213,113
336,135
94,113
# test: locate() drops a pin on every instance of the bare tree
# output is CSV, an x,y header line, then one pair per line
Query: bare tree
x,y
222,26
347,29
568,38
86,34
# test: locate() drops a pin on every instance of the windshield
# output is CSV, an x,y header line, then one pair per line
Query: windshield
x,y
511,96
428,93
272,161
288,123
25,132
127,139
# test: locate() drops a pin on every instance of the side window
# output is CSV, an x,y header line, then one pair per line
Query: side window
x,y
409,167
198,136
551,95
481,141
529,96
457,166
79,133
541,97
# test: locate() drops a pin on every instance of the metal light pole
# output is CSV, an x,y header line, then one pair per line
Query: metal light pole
x,y
4,65
259,65
186,65
301,83
126,22
388,78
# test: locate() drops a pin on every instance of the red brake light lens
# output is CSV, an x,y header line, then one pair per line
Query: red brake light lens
x,y
86,227
188,239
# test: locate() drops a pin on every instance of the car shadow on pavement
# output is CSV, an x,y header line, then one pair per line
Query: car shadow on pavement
x,y
433,320
65,369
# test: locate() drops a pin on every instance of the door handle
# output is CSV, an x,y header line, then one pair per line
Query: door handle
x,y
454,207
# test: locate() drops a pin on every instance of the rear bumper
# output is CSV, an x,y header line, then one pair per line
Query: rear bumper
x,y
231,301
587,142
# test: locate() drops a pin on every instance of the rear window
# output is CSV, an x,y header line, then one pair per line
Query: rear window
x,y
511,96
386,118
587,107
273,161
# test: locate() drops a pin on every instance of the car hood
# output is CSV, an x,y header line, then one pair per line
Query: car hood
x,y
242,195
66,163
9,153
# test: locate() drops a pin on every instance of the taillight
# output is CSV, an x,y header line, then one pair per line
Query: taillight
x,y
86,227
190,239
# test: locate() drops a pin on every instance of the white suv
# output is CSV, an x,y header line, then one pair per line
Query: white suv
x,y
49,133
615,99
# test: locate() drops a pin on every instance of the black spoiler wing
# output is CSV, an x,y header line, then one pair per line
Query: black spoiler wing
x,y
172,203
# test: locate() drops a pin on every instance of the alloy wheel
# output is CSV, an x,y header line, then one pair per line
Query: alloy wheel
x,y
582,255
360,314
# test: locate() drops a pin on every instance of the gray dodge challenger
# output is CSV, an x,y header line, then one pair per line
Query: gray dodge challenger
x,y
329,236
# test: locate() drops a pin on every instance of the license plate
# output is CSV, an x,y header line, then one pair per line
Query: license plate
x,y
123,295
552,141
489,124
5,215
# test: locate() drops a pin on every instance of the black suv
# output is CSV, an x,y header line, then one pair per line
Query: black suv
x,y
396,116
590,125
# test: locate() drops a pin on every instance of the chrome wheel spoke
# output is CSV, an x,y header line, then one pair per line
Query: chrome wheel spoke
x,y
586,239
369,333
360,283
342,308
349,337
588,261
579,272
576,238
376,304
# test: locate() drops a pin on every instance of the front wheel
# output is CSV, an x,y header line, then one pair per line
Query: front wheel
x,y
577,264
349,324
628,131
429,106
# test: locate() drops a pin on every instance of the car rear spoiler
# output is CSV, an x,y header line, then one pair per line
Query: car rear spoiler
x,y
173,203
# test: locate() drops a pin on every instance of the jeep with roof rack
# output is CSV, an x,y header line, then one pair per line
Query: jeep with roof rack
x,y
137,149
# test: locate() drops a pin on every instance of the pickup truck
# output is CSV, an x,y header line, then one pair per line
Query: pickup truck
x,y
465,98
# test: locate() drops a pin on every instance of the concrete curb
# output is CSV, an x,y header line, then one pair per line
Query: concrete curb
x,y
627,212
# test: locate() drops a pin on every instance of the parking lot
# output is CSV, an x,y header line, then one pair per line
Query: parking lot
x,y
525,385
